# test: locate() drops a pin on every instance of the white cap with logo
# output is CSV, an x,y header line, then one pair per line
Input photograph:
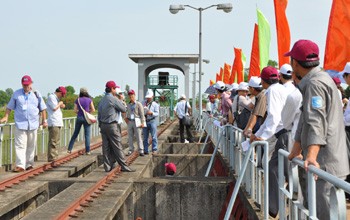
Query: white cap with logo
x,y
149,94
286,69
255,82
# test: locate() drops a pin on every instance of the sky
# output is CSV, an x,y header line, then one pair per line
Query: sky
x,y
85,43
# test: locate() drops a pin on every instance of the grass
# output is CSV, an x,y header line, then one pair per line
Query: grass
x,y
66,114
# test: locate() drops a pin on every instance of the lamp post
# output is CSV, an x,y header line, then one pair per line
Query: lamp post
x,y
175,9
194,83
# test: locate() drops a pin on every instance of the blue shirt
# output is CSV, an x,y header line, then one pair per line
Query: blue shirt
x,y
26,107
153,107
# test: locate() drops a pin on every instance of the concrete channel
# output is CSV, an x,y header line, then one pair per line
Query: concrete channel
x,y
144,194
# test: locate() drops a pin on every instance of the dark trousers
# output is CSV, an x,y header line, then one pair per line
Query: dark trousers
x,y
282,143
347,131
182,130
112,149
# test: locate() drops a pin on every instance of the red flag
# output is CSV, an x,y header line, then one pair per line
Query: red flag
x,y
337,51
217,77
227,73
237,67
254,68
221,75
283,32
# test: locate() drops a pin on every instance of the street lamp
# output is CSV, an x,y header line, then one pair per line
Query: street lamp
x,y
194,83
175,9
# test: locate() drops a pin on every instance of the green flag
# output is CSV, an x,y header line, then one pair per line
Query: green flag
x,y
264,39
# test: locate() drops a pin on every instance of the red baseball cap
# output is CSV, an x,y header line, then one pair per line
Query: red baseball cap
x,y
212,96
170,167
111,85
131,92
63,90
336,80
26,80
269,72
304,50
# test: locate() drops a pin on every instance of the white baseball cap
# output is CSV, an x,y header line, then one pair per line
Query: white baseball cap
x,y
149,94
220,85
255,82
286,69
242,86
183,96
234,86
346,68
118,90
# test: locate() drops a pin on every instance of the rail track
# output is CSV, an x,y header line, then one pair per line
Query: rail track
x,y
83,201
77,206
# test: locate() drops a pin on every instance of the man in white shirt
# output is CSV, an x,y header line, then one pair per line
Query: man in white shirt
x,y
286,77
290,119
276,95
180,111
55,121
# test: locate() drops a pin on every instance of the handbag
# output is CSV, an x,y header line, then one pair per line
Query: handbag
x,y
187,120
90,119
242,117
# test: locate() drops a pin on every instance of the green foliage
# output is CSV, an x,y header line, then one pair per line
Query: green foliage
x,y
347,92
69,101
9,92
70,90
97,100
66,114
273,63
5,96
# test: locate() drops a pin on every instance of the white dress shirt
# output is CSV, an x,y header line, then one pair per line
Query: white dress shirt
x,y
291,111
55,118
289,86
276,96
180,108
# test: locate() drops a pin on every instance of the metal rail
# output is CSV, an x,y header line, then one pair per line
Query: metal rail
x,y
337,197
240,179
83,201
21,177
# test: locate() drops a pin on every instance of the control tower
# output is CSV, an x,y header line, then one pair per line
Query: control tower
x,y
164,87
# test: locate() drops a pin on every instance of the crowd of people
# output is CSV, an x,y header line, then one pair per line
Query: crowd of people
x,y
298,108
31,111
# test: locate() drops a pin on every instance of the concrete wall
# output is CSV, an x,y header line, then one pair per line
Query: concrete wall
x,y
178,199
193,165
178,148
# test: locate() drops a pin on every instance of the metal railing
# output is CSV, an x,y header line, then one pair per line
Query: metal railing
x,y
254,179
290,196
7,138
227,139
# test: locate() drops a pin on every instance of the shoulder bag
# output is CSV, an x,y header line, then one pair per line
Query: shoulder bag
x,y
241,117
187,119
90,119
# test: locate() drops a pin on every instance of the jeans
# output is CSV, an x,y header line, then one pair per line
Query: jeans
x,y
151,127
87,131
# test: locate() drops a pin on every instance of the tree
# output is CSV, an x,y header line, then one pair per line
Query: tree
x,y
70,90
9,92
3,98
273,63
97,100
